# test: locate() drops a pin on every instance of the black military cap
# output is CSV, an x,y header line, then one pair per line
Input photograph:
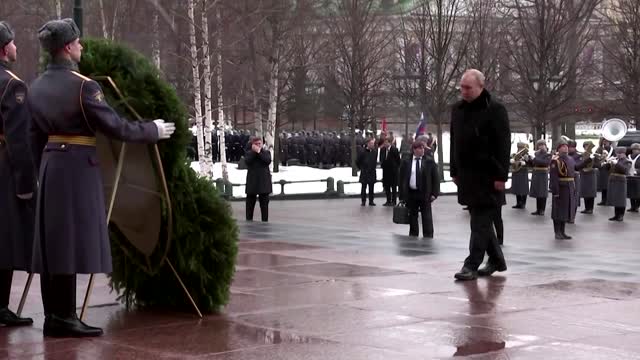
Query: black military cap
x,y
621,150
541,142
635,146
6,34
55,34
561,142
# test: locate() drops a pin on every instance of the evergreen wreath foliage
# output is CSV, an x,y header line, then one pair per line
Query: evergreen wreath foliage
x,y
204,234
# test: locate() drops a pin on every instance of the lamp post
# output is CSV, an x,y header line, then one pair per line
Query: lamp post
x,y
77,14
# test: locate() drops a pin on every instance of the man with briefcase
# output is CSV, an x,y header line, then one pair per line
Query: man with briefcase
x,y
419,188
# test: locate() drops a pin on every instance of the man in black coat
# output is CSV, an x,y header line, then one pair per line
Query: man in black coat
x,y
258,181
366,162
480,146
390,163
71,235
420,187
17,178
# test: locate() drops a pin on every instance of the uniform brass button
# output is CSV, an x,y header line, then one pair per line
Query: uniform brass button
x,y
63,146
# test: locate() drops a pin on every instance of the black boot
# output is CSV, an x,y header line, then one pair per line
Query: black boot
x,y
635,204
8,317
557,230
562,227
588,206
603,201
541,204
63,320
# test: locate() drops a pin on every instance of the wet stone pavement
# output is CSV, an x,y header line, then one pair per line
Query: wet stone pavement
x,y
333,280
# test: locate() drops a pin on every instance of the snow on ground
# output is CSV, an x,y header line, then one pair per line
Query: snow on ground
x,y
297,173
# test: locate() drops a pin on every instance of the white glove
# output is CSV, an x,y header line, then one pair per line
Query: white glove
x,y
512,161
25,196
523,163
165,129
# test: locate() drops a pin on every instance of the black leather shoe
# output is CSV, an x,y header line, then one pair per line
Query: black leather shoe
x,y
587,212
566,237
9,318
372,204
615,218
363,204
387,204
633,210
538,213
55,326
601,204
559,236
466,274
489,269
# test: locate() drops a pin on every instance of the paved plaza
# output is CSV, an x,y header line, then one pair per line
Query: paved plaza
x,y
328,279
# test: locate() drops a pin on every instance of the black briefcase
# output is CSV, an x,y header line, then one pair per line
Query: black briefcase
x,y
401,214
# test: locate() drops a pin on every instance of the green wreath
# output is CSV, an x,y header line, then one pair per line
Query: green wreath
x,y
204,235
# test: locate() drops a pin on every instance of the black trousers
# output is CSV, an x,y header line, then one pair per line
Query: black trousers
x,y
588,203
6,277
603,198
417,202
635,204
58,294
363,193
541,204
264,206
498,225
521,200
483,239
619,211
392,193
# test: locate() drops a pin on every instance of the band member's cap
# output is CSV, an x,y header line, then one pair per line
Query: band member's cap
x,y
6,34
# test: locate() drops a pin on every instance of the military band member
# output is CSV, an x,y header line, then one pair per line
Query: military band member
x,y
562,185
633,181
71,236
605,152
580,163
17,177
540,177
588,179
617,189
520,177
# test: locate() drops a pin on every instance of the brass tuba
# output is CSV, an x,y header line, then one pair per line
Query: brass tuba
x,y
517,157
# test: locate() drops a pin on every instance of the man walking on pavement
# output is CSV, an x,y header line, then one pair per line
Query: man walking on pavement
x,y
480,146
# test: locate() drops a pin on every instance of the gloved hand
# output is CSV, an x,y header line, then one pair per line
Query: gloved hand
x,y
523,163
25,196
512,161
165,129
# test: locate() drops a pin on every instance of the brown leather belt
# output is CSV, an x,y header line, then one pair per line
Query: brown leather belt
x,y
566,179
541,169
73,140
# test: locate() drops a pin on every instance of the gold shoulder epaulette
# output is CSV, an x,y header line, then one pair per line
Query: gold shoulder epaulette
x,y
80,76
13,75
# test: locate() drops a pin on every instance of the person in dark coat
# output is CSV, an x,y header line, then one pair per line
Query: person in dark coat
x,y
563,188
589,180
580,163
258,181
390,163
633,181
420,187
480,144
617,189
605,153
520,177
71,236
17,178
366,162
540,177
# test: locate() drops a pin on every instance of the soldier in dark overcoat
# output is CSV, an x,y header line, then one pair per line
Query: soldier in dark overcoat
x,y
367,161
580,163
617,189
17,177
540,177
589,181
520,177
605,153
258,182
71,236
633,181
563,188
390,163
